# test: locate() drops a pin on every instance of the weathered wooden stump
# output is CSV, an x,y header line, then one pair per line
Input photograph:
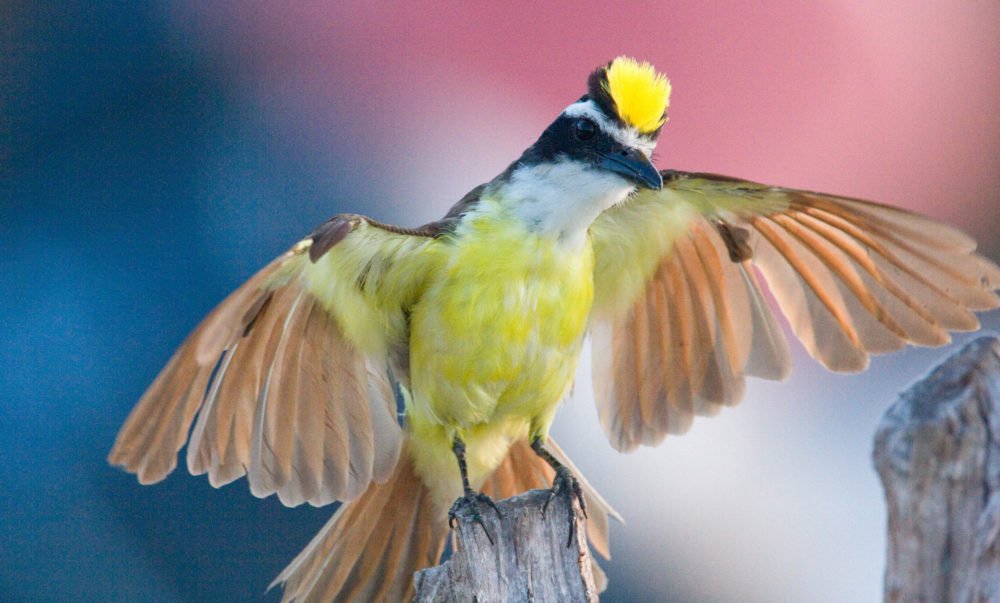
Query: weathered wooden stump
x,y
937,451
529,559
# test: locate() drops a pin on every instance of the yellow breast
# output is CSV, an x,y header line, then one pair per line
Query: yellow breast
x,y
498,331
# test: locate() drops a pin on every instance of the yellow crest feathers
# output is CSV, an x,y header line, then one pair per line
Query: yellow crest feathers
x,y
640,94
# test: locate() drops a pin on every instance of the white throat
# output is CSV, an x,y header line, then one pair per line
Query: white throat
x,y
561,199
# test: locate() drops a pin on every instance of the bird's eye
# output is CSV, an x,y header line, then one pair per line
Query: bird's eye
x,y
584,129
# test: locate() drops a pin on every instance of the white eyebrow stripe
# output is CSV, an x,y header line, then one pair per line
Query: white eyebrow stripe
x,y
627,136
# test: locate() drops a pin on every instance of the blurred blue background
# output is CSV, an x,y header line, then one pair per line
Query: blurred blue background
x,y
154,155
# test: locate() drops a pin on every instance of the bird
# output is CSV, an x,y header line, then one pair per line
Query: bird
x,y
412,372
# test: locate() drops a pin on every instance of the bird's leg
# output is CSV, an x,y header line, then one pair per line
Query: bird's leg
x,y
471,499
564,483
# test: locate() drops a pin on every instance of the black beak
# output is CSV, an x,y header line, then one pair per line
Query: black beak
x,y
634,165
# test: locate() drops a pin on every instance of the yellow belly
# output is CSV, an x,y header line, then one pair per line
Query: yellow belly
x,y
494,344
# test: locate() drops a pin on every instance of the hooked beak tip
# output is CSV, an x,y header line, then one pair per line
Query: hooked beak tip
x,y
635,166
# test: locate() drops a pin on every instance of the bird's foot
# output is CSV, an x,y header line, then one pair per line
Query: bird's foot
x,y
471,503
565,484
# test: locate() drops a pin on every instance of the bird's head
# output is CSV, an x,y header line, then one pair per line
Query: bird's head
x,y
614,126
626,107
596,152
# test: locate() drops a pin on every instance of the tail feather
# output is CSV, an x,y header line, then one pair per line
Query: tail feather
x,y
372,546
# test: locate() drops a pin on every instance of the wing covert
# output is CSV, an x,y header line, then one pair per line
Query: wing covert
x,y
680,314
288,375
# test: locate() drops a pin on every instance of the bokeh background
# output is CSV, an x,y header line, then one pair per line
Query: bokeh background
x,y
154,155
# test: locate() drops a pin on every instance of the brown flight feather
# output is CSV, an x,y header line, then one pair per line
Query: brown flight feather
x,y
279,394
852,277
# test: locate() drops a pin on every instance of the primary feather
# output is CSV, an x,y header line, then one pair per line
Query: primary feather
x,y
288,375
680,318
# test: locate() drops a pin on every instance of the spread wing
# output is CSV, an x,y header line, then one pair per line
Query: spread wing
x,y
288,375
680,316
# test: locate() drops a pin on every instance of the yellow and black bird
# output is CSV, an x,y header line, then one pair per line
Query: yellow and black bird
x,y
476,322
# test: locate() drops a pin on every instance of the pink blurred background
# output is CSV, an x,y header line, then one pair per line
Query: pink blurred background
x,y
897,101
396,111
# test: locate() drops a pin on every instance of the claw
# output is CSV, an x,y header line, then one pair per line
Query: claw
x,y
472,500
565,484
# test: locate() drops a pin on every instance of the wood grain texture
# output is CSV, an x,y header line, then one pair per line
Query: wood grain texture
x,y
937,451
529,560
